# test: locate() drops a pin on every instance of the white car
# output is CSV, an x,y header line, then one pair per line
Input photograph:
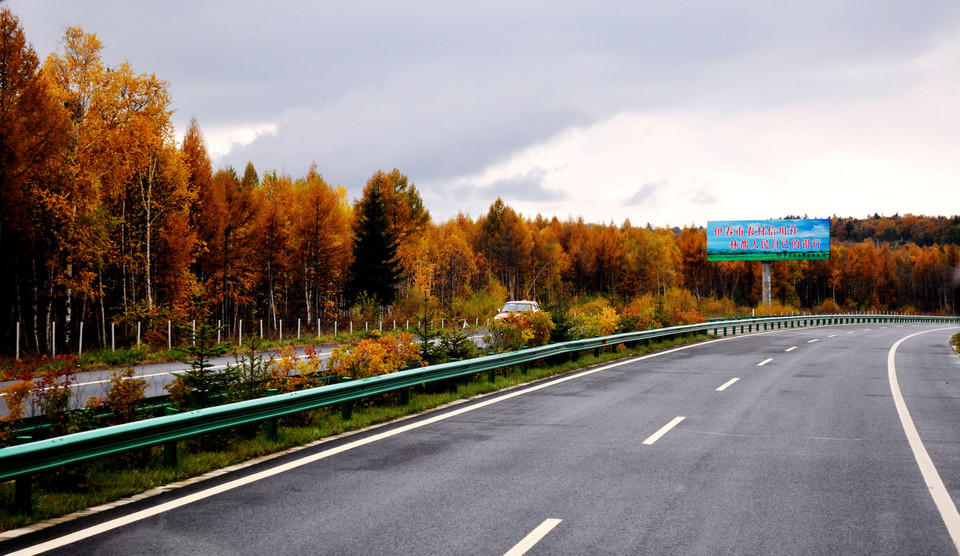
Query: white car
x,y
517,307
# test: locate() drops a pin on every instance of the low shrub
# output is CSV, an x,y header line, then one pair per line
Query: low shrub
x,y
599,324
375,356
519,330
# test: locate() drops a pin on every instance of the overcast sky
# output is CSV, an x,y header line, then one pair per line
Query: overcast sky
x,y
667,112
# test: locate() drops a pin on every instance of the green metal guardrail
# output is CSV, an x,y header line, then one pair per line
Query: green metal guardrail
x,y
20,462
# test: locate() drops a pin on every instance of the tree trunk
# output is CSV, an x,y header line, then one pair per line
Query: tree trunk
x,y
306,290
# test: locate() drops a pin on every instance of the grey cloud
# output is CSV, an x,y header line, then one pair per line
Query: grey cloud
x,y
703,197
525,188
647,193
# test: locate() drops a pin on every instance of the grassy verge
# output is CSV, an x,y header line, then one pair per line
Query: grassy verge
x,y
955,342
102,481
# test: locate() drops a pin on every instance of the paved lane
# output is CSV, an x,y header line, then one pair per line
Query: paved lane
x,y
803,454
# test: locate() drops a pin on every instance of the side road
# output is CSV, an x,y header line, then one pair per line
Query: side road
x,y
91,384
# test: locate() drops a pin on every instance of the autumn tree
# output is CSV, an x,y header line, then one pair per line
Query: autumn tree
x,y
609,255
575,239
692,245
321,232
453,261
229,210
505,242
402,202
273,239
408,219
33,134
199,176
125,190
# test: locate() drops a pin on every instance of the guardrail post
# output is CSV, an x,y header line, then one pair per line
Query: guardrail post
x,y
170,448
405,396
523,368
271,424
23,494
346,411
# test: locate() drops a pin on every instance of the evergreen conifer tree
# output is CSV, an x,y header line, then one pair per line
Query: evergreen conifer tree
x,y
375,271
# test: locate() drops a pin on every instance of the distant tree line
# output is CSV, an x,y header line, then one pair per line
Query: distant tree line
x,y
107,219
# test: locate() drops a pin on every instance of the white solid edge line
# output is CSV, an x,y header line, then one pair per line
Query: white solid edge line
x,y
663,430
533,537
727,384
183,501
764,362
941,497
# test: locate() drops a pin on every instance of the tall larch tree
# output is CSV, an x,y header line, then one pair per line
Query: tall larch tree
x,y
33,135
94,165
322,232
274,243
507,245
199,175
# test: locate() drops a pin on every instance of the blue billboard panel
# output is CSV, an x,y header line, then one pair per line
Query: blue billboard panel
x,y
768,240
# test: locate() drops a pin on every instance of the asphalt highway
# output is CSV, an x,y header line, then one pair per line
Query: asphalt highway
x,y
785,442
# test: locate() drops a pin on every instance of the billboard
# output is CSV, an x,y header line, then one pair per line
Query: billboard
x,y
768,240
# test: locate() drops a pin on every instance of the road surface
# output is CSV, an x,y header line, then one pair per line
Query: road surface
x,y
826,440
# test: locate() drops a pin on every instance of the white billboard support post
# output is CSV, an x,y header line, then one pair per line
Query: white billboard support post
x,y
767,301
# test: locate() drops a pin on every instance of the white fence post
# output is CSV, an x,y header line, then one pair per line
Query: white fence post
x,y
53,338
169,336
80,344
240,338
113,336
138,333
298,328
18,340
